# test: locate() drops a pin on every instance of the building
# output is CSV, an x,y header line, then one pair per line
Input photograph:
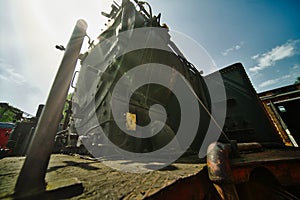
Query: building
x,y
283,107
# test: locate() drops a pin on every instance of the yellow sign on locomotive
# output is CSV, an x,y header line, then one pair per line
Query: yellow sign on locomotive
x,y
130,121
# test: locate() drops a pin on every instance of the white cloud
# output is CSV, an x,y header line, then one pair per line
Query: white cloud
x,y
269,82
296,66
255,57
255,69
8,74
237,47
284,79
17,90
233,48
28,39
269,58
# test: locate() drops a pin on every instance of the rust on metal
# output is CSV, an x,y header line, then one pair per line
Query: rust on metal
x,y
219,170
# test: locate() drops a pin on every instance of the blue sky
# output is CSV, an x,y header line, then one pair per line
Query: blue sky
x,y
263,35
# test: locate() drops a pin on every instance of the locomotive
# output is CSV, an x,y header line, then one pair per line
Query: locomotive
x,y
137,39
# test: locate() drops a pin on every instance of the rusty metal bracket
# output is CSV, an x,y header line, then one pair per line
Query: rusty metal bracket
x,y
219,170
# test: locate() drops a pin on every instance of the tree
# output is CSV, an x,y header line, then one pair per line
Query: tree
x,y
298,80
66,114
6,115
9,113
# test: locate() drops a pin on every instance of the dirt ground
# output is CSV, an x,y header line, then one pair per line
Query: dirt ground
x,y
99,181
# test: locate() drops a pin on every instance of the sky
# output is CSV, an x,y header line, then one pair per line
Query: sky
x,y
264,35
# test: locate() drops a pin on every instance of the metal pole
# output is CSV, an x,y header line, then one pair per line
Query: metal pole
x,y
31,179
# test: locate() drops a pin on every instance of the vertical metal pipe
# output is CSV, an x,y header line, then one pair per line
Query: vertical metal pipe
x,y
31,179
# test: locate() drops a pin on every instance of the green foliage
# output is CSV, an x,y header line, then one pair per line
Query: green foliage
x,y
69,97
298,80
6,115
